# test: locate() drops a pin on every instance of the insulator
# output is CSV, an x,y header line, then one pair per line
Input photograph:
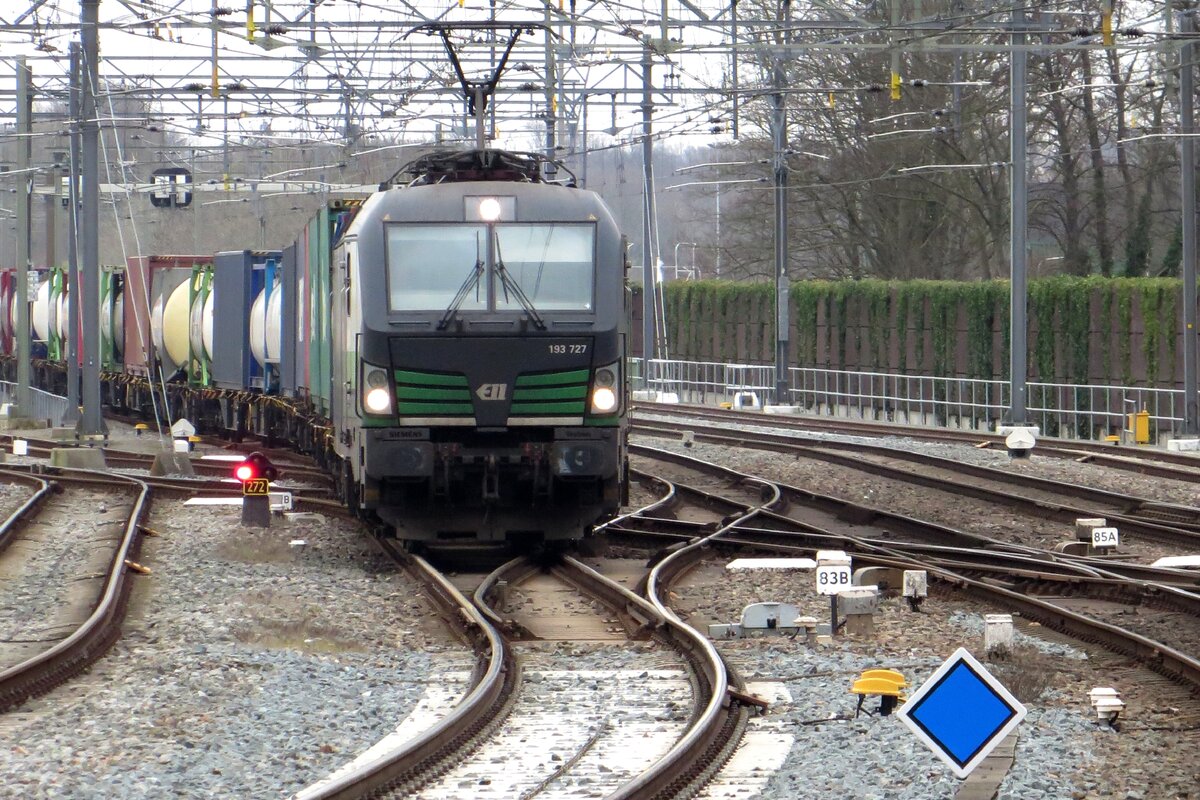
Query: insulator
x,y
917,83
194,87
275,30
874,88
1132,33
1082,32
1150,83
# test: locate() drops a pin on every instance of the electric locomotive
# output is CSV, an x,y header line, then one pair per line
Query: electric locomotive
x,y
479,325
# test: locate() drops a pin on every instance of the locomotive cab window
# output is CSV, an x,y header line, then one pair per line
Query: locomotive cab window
x,y
428,264
433,267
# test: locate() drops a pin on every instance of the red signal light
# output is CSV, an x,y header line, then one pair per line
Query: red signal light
x,y
256,465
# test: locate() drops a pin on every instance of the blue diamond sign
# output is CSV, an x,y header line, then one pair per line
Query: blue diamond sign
x,y
962,712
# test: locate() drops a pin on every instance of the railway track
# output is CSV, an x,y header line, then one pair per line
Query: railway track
x,y
78,627
1000,577
1042,498
290,466
1145,461
495,720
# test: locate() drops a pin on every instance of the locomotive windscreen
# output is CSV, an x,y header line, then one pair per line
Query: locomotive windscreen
x,y
434,266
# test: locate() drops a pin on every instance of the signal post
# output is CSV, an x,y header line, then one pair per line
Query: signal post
x,y
256,474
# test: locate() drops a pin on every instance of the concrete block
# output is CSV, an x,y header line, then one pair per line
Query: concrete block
x,y
62,434
1073,548
859,600
783,410
1084,526
1182,445
78,458
997,632
883,577
860,626
915,583
172,464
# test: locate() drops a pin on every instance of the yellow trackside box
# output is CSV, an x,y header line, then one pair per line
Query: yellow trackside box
x,y
1139,426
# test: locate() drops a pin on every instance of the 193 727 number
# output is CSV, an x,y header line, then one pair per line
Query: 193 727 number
x,y
564,349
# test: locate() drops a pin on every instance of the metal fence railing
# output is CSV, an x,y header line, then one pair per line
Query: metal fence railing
x,y
43,405
1069,410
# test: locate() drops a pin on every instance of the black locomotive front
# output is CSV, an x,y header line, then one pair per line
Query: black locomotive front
x,y
493,381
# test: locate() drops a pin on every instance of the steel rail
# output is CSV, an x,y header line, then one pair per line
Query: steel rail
x,y
436,749
94,636
887,521
43,489
1164,464
709,741
1129,521
1157,656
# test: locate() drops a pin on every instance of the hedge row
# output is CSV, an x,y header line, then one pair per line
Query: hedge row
x,y
1080,330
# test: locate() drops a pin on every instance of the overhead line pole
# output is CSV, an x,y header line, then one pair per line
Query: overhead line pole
x,y
1018,217
648,267
1187,185
782,317
24,199
91,425
72,416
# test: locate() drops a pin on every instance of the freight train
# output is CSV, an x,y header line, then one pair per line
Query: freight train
x,y
452,349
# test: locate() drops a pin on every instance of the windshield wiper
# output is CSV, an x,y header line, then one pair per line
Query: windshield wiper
x,y
472,281
510,284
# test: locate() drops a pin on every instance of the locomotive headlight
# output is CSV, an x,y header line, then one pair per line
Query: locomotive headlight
x,y
378,400
489,209
378,394
605,399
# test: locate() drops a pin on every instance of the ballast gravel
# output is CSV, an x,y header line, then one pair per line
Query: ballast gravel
x,y
252,666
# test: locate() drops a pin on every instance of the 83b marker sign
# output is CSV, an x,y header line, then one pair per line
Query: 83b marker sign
x,y
833,578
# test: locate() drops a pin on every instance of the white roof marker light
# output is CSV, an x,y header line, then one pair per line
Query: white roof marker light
x,y
489,209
